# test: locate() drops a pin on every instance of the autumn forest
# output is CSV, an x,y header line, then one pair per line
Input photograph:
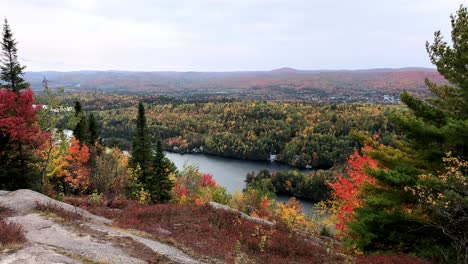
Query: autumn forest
x,y
388,179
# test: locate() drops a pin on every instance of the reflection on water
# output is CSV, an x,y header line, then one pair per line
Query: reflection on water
x,y
230,173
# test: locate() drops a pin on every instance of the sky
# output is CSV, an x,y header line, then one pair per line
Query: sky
x,y
225,35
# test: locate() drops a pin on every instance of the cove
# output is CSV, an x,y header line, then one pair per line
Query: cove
x,y
230,173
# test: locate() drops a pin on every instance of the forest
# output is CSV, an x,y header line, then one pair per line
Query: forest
x,y
393,184
316,136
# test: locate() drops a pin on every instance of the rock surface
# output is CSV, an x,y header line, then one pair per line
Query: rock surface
x,y
49,241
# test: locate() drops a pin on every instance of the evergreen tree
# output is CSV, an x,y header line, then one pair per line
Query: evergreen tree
x,y
415,205
158,183
141,145
93,130
11,70
80,131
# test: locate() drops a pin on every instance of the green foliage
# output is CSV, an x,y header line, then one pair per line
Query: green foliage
x,y
95,198
93,130
311,186
418,203
300,134
11,70
141,148
108,171
133,184
158,182
80,131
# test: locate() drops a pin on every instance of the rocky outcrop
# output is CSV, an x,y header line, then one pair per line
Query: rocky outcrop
x,y
243,215
93,241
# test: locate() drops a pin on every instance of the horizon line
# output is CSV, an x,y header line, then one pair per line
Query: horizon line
x,y
284,69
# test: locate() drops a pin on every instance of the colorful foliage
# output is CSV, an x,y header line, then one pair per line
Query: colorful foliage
x,y
192,186
75,170
21,139
291,215
347,188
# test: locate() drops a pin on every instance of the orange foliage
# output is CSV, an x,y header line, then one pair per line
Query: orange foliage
x,y
75,171
347,189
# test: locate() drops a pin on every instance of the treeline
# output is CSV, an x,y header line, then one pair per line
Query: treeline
x,y
300,134
313,187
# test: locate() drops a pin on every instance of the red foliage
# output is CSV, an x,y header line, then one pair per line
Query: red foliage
x,y
18,118
76,172
208,181
347,190
215,233
396,259
10,233
59,211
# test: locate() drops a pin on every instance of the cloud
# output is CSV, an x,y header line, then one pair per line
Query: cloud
x,y
224,34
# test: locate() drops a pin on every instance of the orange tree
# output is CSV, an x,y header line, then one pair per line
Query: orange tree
x,y
75,171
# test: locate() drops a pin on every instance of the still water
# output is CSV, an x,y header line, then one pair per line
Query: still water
x,y
230,173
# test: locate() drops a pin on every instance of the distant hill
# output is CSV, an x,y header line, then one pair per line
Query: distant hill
x,y
283,83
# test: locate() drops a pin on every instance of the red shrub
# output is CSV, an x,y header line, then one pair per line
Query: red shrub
x,y
215,233
10,233
65,214
396,259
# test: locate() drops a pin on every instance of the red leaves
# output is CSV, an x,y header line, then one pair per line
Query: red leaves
x,y
18,118
347,190
75,171
208,181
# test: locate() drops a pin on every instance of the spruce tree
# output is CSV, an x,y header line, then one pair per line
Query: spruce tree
x,y
158,183
11,70
80,131
141,146
93,130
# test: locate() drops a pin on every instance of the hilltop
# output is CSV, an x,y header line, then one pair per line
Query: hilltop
x,y
57,232
283,84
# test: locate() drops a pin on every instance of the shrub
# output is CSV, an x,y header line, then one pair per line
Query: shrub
x,y
51,208
192,186
10,233
221,234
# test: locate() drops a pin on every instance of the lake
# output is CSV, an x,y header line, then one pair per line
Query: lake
x,y
230,173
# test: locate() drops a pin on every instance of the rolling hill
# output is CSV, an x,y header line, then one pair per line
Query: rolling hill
x,y
284,83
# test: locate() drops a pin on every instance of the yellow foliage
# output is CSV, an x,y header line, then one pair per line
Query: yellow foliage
x,y
291,215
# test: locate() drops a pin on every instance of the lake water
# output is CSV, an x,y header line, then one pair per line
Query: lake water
x,y
230,173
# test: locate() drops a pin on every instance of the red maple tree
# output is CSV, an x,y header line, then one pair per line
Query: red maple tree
x,y
347,188
18,118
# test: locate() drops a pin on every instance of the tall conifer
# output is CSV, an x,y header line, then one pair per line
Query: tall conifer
x,y
141,147
11,70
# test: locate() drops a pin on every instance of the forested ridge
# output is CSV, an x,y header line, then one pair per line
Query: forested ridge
x,y
300,134
395,188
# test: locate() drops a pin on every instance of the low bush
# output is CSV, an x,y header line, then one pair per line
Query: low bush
x,y
391,259
222,234
10,233
50,208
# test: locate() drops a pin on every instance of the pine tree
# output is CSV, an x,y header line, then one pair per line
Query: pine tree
x,y
413,207
141,146
80,132
93,130
11,69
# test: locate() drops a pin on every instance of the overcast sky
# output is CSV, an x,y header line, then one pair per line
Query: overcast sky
x,y
225,35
